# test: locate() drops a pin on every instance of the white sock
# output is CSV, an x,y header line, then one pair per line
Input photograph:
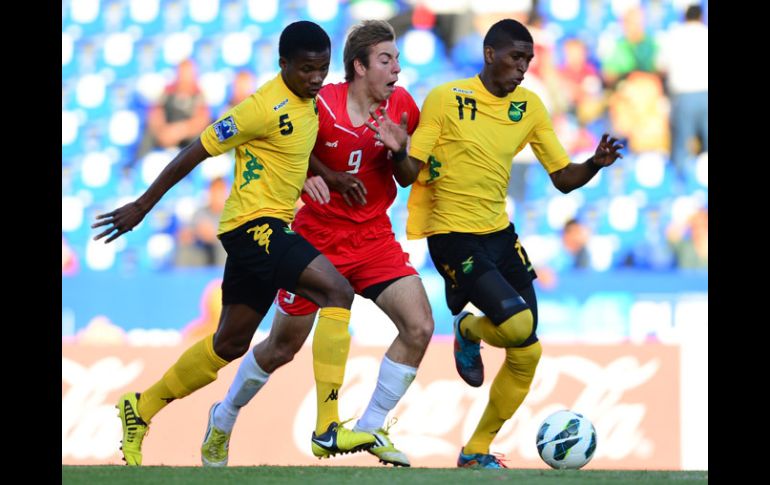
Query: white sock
x,y
392,383
248,381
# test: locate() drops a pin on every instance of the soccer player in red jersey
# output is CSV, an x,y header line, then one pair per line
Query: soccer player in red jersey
x,y
358,151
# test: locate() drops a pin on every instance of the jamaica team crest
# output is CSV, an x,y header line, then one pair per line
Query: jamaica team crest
x,y
516,110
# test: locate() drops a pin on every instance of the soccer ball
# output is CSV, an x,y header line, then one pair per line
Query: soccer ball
x,y
566,440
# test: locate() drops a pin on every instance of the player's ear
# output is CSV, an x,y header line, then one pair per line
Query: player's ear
x,y
359,67
489,54
282,62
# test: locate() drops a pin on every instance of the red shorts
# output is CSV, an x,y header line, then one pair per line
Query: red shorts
x,y
365,254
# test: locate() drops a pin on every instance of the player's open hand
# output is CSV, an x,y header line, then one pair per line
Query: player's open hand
x,y
119,221
607,151
392,135
317,189
349,186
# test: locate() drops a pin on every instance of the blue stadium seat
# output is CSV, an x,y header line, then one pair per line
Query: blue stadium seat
x,y
422,50
332,15
114,15
117,53
569,16
146,16
269,15
87,16
467,54
204,18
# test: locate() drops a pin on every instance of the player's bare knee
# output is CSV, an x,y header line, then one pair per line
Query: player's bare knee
x,y
232,348
419,332
282,355
340,294
517,328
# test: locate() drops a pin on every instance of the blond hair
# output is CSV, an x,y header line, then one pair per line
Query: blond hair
x,y
361,38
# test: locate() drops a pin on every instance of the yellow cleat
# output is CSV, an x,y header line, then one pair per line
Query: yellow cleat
x,y
385,451
216,443
134,428
339,440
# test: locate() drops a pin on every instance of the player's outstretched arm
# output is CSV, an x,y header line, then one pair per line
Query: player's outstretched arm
x,y
125,218
576,175
346,184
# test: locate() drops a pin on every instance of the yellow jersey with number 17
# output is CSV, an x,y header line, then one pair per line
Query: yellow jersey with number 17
x,y
273,132
467,138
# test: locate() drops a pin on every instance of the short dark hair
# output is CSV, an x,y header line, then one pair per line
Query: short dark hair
x,y
694,12
506,31
302,36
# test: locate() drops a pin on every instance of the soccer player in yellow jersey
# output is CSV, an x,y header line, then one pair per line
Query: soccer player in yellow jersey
x,y
273,132
358,239
461,155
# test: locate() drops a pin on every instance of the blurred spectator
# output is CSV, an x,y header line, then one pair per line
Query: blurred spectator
x,y
543,67
571,254
634,51
179,116
197,243
580,79
638,112
690,241
651,251
574,251
244,86
684,59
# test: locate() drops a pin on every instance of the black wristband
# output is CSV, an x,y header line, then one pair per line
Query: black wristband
x,y
399,156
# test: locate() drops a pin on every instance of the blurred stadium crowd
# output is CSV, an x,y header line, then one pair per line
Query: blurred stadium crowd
x,y
140,78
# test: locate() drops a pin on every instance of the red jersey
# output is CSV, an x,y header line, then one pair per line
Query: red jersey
x,y
345,148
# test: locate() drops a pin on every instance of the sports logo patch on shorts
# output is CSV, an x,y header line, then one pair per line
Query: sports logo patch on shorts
x,y
225,128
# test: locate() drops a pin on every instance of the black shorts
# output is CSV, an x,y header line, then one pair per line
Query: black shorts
x,y
461,258
262,256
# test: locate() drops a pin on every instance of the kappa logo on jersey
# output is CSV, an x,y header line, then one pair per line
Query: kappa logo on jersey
x,y
281,104
225,128
451,273
331,144
433,166
262,235
517,110
252,165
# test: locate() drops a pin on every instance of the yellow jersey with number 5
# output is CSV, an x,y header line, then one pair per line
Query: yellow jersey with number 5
x,y
467,138
273,132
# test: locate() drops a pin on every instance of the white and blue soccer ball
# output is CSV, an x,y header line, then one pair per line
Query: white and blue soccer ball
x,y
566,440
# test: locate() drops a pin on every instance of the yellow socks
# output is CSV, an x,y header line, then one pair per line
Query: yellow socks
x,y
331,344
510,387
196,367
510,333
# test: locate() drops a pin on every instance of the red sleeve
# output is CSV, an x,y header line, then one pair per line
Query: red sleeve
x,y
408,105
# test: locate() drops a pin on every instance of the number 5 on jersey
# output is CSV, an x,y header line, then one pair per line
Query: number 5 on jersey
x,y
285,125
